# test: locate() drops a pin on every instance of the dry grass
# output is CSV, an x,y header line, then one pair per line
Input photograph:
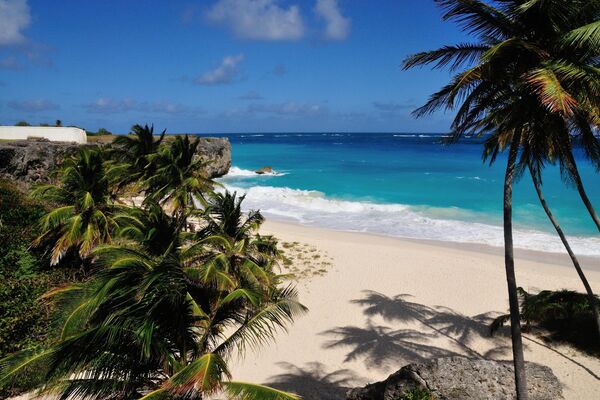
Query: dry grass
x,y
304,261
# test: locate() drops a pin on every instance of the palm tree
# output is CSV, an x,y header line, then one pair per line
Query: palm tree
x,y
83,218
229,241
532,60
157,327
179,179
132,152
151,228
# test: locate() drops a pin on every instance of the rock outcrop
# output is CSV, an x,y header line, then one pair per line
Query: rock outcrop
x,y
459,378
32,161
217,153
264,170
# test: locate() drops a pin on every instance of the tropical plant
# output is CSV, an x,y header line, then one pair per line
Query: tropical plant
x,y
178,181
531,76
132,154
151,228
418,394
566,314
159,326
83,217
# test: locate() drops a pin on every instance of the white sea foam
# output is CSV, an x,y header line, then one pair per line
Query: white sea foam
x,y
235,172
314,208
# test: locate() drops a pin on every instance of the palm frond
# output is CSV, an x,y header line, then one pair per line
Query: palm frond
x,y
250,391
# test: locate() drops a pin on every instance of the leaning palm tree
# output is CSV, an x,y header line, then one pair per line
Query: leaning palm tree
x,y
83,216
541,149
179,181
158,327
531,60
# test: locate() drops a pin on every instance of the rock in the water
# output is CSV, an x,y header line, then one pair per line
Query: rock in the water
x,y
264,170
459,378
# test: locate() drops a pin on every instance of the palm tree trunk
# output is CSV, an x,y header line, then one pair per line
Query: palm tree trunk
x,y
592,299
509,263
582,193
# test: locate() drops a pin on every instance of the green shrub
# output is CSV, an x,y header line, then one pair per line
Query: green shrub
x,y
418,394
565,314
100,132
24,273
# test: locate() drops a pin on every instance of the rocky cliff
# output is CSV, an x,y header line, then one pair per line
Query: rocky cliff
x,y
217,153
459,378
32,161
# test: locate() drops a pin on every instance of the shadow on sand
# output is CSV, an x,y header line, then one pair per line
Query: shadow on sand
x,y
383,347
387,348
313,382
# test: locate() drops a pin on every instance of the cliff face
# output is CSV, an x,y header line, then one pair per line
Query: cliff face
x,y
29,161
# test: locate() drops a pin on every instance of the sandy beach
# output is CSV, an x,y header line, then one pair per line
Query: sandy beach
x,y
384,302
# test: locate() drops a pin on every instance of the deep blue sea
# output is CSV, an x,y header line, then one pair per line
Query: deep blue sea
x,y
404,185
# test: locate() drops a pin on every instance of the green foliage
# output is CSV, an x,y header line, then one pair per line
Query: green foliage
x,y
22,123
565,314
82,217
99,132
165,322
418,394
25,320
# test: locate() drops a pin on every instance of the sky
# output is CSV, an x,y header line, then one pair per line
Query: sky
x,y
221,66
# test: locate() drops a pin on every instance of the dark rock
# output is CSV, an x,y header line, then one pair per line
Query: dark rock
x,y
264,170
32,161
459,378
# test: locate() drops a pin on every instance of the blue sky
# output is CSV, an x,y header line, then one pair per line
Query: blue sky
x,y
220,65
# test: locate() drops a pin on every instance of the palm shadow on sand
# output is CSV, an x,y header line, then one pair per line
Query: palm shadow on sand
x,y
314,382
389,348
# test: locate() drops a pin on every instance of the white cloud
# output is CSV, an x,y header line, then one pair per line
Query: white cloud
x,y
36,105
258,19
224,73
14,18
337,27
107,105
290,108
392,106
110,106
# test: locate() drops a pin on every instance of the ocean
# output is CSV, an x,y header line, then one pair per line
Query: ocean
x,y
405,185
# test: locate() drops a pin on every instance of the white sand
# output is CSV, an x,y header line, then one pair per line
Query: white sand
x,y
445,291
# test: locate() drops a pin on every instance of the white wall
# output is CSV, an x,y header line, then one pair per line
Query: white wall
x,y
52,133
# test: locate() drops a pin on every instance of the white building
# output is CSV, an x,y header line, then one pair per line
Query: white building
x,y
52,133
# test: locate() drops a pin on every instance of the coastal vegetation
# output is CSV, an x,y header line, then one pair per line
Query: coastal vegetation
x,y
563,315
25,320
530,84
162,303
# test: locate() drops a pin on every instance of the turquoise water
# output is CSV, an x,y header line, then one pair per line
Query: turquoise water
x,y
406,185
